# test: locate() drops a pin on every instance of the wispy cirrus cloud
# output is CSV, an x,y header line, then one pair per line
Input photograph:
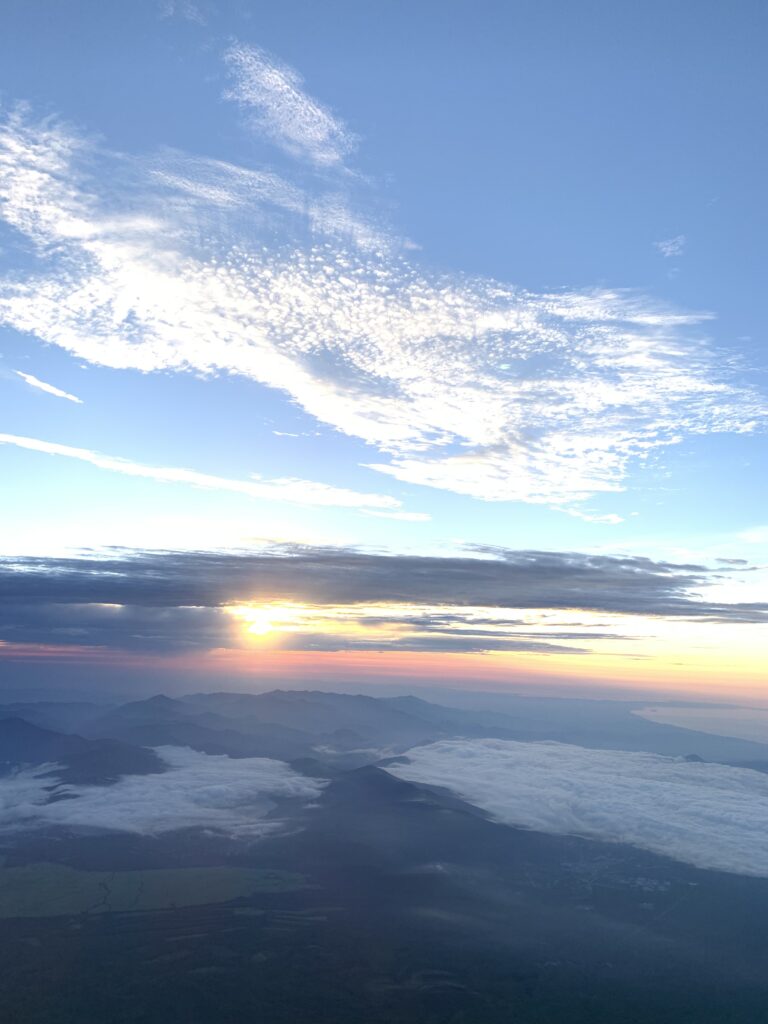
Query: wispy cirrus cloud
x,y
182,9
301,492
406,517
49,389
464,384
283,111
671,247
207,185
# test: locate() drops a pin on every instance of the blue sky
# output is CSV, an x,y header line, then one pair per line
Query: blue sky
x,y
416,277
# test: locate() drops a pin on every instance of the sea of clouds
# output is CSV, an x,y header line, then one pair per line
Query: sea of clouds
x,y
709,815
231,795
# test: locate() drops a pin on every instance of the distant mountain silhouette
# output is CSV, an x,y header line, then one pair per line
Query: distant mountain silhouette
x,y
345,731
287,725
82,760
58,715
162,720
342,719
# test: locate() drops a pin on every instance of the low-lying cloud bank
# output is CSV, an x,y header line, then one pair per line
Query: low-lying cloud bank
x,y
708,815
231,795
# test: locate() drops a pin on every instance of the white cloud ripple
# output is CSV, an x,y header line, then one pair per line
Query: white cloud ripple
x,y
283,110
463,384
708,815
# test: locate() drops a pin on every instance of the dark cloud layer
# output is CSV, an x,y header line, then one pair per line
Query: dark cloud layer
x,y
503,579
175,599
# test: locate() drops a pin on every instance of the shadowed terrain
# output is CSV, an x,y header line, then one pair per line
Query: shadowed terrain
x,y
392,901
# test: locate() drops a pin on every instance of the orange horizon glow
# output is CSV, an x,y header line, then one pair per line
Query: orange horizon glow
x,y
690,676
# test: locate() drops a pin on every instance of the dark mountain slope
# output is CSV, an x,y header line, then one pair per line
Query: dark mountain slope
x,y
83,760
162,720
58,715
601,724
347,719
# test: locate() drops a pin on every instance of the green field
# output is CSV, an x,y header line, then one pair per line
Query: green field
x,y
54,890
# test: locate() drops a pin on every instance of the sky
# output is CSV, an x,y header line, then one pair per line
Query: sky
x,y
404,344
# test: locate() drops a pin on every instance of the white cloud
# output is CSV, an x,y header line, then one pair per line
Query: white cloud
x,y
198,790
182,9
671,246
284,112
754,535
215,185
301,492
708,815
407,517
589,516
464,384
35,382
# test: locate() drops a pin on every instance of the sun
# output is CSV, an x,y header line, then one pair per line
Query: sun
x,y
261,620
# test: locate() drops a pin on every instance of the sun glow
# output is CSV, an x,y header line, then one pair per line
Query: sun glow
x,y
261,620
